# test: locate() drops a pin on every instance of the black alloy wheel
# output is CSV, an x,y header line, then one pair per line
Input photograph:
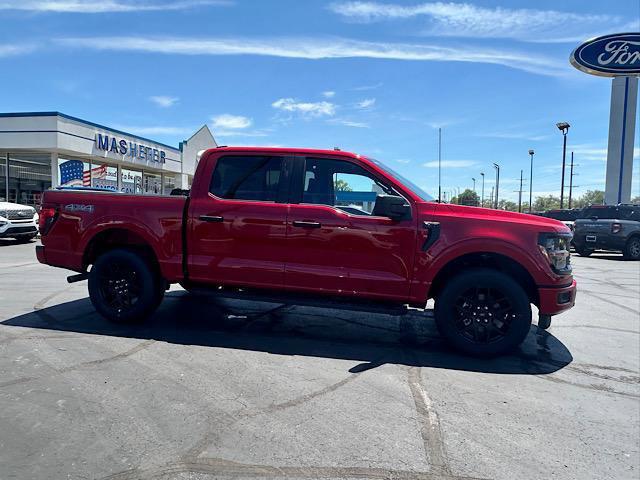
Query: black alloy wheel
x,y
483,312
123,287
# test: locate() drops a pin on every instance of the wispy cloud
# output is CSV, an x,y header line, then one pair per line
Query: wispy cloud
x,y
326,48
227,121
362,88
450,164
348,123
306,109
8,50
366,104
468,20
329,94
104,6
402,160
513,136
164,101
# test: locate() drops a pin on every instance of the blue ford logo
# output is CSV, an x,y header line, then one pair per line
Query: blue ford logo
x,y
609,56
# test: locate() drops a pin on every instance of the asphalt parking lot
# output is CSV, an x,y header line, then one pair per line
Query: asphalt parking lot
x,y
231,389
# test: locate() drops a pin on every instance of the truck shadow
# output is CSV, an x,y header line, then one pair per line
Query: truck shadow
x,y
369,339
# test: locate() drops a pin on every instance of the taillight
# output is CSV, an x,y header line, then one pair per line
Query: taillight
x,y
47,217
616,227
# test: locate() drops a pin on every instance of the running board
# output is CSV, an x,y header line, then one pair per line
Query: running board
x,y
303,300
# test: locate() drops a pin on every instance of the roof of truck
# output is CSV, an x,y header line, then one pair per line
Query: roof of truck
x,y
286,150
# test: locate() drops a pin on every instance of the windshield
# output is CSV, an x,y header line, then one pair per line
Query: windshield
x,y
407,183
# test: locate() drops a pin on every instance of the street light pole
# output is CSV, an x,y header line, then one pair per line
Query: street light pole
x,y
571,180
482,197
474,184
531,152
564,128
497,167
520,194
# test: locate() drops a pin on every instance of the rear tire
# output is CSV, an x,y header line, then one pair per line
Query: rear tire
x,y
583,251
483,313
123,287
632,249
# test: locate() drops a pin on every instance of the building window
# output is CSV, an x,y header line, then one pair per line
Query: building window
x,y
104,176
131,181
152,183
29,176
169,183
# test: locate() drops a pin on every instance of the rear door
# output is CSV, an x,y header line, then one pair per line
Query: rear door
x,y
335,242
238,229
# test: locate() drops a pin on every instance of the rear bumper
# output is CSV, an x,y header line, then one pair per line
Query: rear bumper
x,y
40,253
57,258
604,241
557,300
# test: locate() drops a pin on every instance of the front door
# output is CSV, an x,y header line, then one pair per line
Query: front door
x,y
335,242
238,230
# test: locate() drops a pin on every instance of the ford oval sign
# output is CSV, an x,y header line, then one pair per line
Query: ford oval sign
x,y
609,56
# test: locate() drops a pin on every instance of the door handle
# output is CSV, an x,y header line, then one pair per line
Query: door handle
x,y
299,223
212,218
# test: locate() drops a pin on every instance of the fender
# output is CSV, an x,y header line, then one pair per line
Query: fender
x,y
430,263
168,260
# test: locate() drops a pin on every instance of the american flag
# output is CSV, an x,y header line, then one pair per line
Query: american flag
x,y
97,172
71,172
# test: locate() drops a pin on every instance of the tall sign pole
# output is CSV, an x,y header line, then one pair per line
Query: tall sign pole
x,y
616,56
571,180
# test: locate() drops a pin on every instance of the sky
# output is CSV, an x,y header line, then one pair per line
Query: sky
x,y
376,78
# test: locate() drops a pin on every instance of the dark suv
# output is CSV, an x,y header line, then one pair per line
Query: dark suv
x,y
609,227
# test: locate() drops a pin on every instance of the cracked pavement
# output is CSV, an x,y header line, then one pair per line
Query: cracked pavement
x,y
233,389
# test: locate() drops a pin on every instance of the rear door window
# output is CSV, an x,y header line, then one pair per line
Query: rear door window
x,y
254,178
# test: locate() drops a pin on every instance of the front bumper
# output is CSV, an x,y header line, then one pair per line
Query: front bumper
x,y
557,299
18,229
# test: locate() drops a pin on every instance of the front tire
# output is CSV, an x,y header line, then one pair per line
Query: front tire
x,y
584,251
632,249
123,287
483,312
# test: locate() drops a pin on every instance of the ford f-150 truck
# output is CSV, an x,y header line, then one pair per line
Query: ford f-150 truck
x,y
614,228
314,226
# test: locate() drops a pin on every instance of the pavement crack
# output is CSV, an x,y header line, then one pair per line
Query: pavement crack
x,y
429,425
225,468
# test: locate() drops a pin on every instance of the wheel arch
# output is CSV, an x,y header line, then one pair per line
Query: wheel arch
x,y
117,237
491,260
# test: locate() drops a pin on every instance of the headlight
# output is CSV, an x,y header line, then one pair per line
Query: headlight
x,y
555,248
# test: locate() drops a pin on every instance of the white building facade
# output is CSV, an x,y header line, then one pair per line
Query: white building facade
x,y
40,150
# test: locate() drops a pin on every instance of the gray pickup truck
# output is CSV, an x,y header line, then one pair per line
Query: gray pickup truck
x,y
608,227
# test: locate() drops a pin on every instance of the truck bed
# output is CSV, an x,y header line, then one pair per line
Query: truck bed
x,y
84,217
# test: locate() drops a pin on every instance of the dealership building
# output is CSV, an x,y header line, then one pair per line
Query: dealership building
x,y
39,150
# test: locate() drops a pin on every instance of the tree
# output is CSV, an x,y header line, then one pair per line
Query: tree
x,y
636,200
468,197
550,202
507,205
590,197
341,186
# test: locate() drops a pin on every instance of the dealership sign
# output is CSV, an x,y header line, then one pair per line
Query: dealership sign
x,y
609,55
130,149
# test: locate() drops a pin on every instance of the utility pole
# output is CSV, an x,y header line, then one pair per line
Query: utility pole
x,y
439,164
520,194
491,198
482,197
571,181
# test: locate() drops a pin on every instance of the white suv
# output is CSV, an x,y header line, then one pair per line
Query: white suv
x,y
18,221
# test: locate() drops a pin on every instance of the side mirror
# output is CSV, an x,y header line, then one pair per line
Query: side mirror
x,y
392,206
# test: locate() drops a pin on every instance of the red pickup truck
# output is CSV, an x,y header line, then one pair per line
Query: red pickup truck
x,y
308,227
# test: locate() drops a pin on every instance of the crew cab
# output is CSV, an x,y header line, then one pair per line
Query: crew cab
x,y
314,227
614,228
